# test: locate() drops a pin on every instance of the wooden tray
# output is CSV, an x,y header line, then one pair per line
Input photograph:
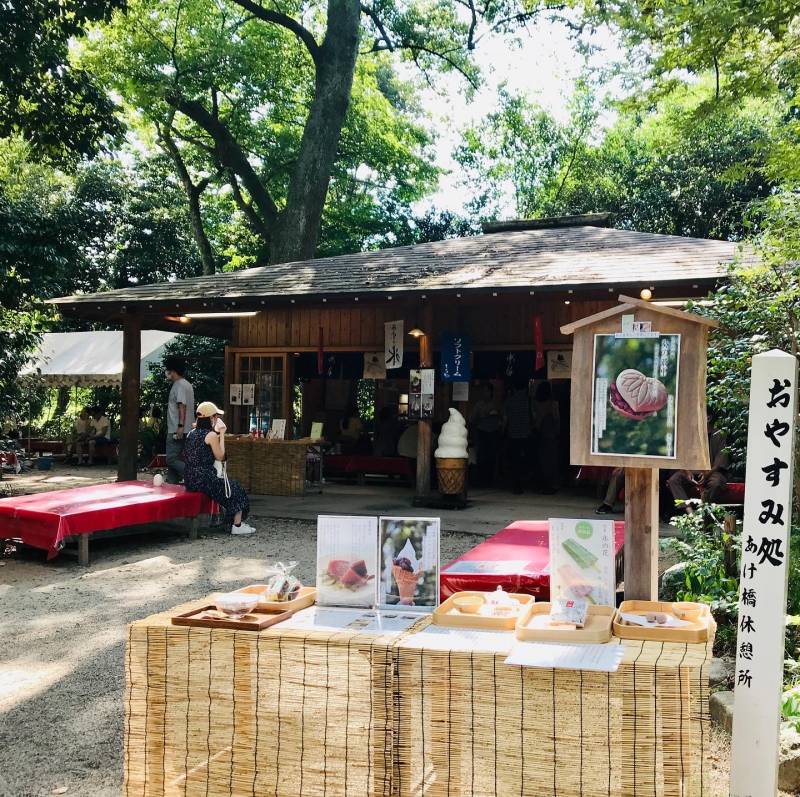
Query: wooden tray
x,y
209,617
599,621
700,630
306,597
442,615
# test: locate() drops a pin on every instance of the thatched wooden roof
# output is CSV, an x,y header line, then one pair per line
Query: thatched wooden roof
x,y
541,259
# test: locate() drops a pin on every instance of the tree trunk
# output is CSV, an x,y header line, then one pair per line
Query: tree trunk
x,y
298,224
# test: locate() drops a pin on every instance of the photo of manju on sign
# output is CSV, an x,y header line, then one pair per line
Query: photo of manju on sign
x,y
635,395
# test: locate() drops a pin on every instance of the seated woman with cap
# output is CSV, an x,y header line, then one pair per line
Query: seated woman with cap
x,y
205,446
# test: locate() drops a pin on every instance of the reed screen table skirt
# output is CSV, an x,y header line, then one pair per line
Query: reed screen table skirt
x,y
304,713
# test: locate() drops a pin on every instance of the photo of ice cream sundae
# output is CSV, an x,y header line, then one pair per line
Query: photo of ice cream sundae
x,y
406,571
409,549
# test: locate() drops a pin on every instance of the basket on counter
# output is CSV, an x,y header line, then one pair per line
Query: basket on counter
x,y
239,454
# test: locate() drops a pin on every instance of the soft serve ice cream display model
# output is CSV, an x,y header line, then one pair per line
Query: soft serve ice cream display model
x,y
452,455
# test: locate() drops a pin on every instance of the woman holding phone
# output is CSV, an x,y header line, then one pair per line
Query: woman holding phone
x,y
204,447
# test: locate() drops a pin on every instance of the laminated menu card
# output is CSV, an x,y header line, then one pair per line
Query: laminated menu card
x,y
582,560
347,560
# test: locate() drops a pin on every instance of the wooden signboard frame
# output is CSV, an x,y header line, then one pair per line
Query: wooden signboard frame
x,y
641,472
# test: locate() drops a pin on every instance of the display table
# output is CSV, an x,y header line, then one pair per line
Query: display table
x,y
515,559
299,712
45,520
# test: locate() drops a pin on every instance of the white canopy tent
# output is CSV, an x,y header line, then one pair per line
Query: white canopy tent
x,y
91,359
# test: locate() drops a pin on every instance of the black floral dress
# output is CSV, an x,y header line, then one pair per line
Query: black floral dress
x,y
201,477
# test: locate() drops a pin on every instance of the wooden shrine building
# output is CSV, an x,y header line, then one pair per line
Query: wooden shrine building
x,y
307,326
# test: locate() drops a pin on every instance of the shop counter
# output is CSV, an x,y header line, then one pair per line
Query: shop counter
x,y
299,712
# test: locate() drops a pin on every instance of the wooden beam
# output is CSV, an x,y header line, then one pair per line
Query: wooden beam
x,y
641,534
424,433
568,329
129,412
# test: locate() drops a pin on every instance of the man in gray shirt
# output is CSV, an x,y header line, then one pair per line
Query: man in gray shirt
x,y
180,413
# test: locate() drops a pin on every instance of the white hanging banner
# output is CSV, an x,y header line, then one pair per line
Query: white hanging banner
x,y
762,591
393,344
235,395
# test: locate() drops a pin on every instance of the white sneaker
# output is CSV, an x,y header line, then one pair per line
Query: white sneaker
x,y
242,529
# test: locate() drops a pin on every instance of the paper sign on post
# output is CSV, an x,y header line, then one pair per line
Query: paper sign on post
x,y
393,344
762,589
278,429
248,394
235,394
582,560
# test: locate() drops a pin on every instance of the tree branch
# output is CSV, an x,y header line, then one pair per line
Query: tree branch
x,y
256,222
229,153
285,21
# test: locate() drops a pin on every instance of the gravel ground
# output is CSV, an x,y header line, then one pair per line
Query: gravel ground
x,y
62,632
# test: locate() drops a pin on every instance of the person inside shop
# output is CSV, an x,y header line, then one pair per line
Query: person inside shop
x,y
351,431
180,410
387,432
546,429
80,435
710,484
486,424
99,432
518,426
203,448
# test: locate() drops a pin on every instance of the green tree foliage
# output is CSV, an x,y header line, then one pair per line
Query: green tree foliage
x,y
104,226
758,309
295,110
656,172
57,107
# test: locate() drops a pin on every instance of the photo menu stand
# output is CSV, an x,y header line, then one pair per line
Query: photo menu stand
x,y
690,434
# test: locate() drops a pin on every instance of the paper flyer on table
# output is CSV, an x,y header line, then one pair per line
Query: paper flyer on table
x,y
324,618
437,637
597,658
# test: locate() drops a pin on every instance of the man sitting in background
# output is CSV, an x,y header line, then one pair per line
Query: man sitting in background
x,y
711,484
80,435
100,432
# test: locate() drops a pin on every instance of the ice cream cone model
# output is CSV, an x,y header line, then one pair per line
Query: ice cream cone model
x,y
452,455
406,584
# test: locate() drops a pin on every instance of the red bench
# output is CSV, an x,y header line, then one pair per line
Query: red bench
x,y
515,559
46,520
360,465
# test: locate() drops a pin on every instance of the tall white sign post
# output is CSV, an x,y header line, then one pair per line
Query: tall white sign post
x,y
762,593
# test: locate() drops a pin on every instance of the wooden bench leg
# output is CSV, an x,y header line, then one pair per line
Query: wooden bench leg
x,y
83,550
194,526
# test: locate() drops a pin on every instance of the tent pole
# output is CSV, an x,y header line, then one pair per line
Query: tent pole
x,y
129,409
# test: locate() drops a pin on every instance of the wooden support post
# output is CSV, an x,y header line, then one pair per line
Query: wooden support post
x,y
83,550
641,534
129,412
424,434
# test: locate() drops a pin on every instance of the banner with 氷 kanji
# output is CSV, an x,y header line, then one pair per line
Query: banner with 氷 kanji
x,y
456,351
393,344
762,590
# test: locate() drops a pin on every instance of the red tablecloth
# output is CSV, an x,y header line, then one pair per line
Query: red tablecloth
x,y
515,559
44,520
